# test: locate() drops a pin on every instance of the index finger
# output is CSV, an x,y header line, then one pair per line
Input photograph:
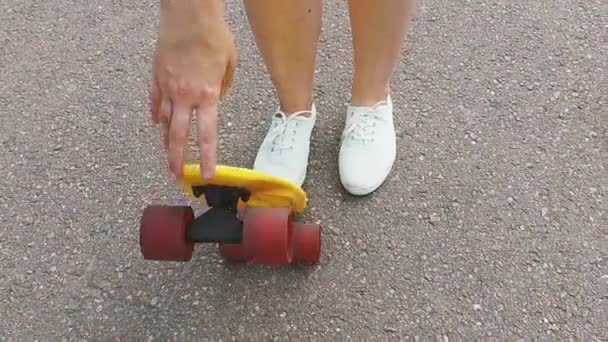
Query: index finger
x,y
178,135
207,138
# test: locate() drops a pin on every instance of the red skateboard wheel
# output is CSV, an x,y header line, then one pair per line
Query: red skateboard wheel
x,y
267,235
306,243
162,233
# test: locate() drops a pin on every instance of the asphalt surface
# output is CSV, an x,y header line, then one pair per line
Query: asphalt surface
x,y
492,223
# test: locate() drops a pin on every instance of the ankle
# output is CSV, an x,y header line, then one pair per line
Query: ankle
x,y
368,96
296,104
305,111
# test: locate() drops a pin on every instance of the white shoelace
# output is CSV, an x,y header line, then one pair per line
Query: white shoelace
x,y
282,133
362,123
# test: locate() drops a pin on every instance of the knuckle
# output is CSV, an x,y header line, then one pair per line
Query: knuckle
x,y
209,92
182,89
179,88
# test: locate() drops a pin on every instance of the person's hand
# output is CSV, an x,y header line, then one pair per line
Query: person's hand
x,y
193,67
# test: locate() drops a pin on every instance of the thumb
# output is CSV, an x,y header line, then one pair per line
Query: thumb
x,y
228,74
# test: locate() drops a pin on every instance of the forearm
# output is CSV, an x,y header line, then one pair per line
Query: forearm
x,y
198,13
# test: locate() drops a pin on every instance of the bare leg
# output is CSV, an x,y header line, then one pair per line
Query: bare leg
x,y
378,29
287,33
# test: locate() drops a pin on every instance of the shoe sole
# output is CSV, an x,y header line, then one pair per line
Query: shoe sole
x,y
368,190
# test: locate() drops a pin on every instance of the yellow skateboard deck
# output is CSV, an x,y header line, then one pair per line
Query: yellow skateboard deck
x,y
266,190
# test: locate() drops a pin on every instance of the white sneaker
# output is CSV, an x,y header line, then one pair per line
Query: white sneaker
x,y
368,147
284,152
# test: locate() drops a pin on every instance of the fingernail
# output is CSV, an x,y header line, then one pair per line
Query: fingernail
x,y
174,173
207,174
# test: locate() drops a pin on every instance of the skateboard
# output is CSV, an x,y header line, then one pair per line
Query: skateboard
x,y
250,217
